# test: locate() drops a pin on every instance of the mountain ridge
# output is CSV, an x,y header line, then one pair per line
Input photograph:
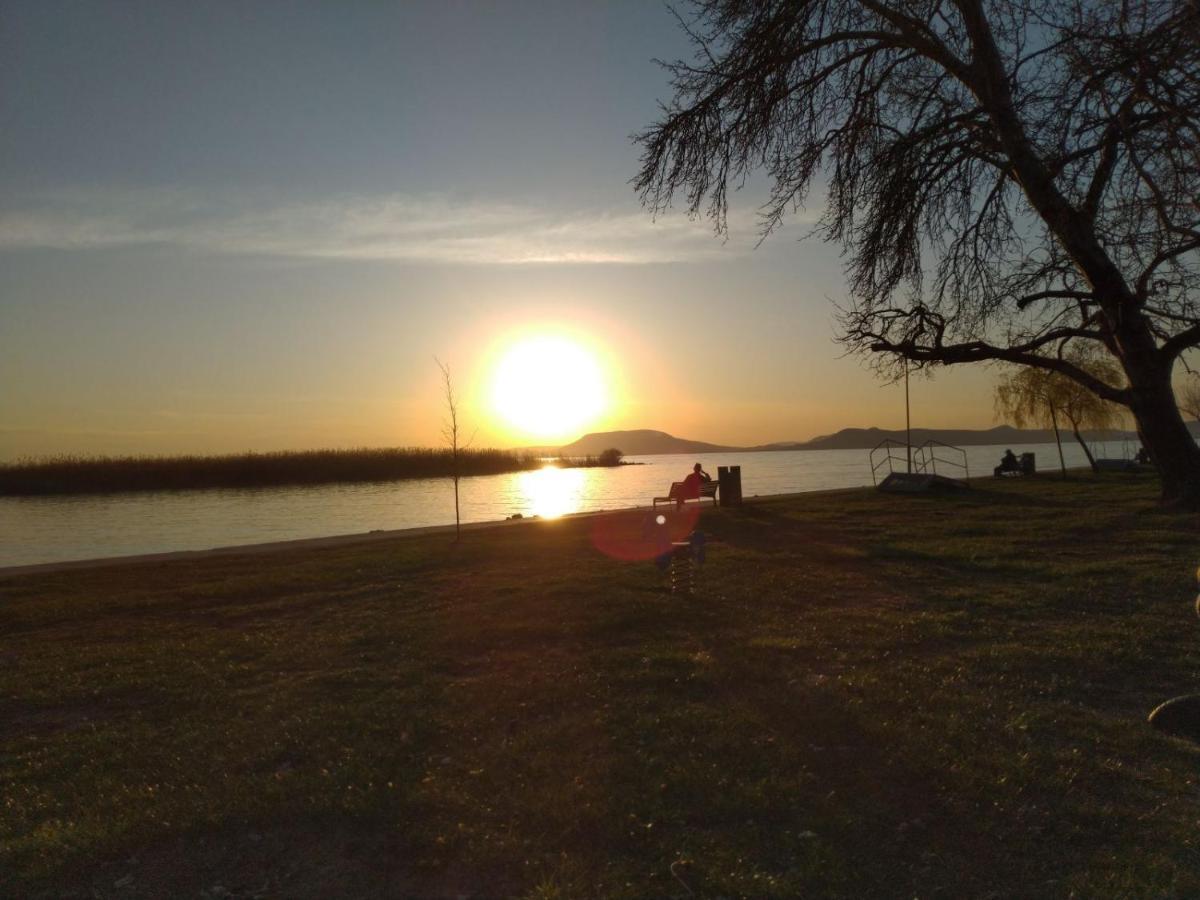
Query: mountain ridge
x,y
650,442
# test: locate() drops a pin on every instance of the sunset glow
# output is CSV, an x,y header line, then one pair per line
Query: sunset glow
x,y
548,387
184,275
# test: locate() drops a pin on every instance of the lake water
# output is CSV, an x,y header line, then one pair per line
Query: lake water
x,y
53,529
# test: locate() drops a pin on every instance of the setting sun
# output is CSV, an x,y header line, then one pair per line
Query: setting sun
x,y
548,387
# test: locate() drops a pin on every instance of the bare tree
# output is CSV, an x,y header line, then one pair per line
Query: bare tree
x,y
450,433
1031,395
1008,179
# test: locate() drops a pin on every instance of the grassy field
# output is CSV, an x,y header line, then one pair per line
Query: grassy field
x,y
100,474
868,696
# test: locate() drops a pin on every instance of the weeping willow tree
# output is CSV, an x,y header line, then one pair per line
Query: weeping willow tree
x,y
1029,396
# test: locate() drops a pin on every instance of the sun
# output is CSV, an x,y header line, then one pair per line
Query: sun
x,y
548,387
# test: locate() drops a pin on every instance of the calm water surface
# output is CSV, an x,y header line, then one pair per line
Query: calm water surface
x,y
53,529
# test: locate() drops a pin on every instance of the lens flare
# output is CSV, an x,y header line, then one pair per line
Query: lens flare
x,y
636,534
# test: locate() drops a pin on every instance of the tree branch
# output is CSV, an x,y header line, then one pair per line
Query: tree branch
x,y
979,351
1030,299
1189,337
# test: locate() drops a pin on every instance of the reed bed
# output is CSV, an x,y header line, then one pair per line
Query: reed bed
x,y
101,474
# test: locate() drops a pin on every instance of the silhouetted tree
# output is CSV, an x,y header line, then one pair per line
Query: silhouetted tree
x,y
1040,396
450,433
611,457
1007,178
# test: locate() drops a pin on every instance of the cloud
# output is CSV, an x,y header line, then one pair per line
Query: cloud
x,y
402,228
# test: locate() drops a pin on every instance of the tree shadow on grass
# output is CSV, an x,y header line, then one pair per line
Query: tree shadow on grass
x,y
315,855
778,785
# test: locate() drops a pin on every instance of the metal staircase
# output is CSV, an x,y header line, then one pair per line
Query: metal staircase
x,y
922,473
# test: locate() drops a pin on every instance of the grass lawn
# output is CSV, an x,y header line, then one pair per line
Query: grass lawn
x,y
868,695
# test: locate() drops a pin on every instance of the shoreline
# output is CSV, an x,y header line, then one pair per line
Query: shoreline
x,y
342,540
312,543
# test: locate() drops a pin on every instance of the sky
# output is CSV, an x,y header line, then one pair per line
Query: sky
x,y
255,226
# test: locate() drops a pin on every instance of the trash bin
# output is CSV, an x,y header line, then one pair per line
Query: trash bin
x,y
1028,464
730,479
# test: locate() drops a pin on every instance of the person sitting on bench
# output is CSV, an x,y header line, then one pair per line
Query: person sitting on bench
x,y
691,485
1008,463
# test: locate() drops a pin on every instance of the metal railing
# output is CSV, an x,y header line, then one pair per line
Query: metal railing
x,y
890,452
927,458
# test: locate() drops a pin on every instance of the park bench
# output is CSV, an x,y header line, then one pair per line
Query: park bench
x,y
674,495
1024,465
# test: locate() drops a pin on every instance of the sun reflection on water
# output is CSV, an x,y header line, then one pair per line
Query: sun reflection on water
x,y
553,492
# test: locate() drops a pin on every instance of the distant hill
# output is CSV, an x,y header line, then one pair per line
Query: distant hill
x,y
645,442
866,438
640,442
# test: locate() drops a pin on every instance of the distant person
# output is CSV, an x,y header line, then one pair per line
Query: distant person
x,y
1143,456
1008,463
691,484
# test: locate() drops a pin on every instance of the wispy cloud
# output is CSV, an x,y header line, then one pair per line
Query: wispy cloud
x,y
400,228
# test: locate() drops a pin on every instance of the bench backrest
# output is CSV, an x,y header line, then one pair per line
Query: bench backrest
x,y
707,489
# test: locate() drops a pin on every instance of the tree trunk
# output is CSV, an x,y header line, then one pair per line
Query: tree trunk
x,y
1163,432
1086,452
457,521
1054,421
